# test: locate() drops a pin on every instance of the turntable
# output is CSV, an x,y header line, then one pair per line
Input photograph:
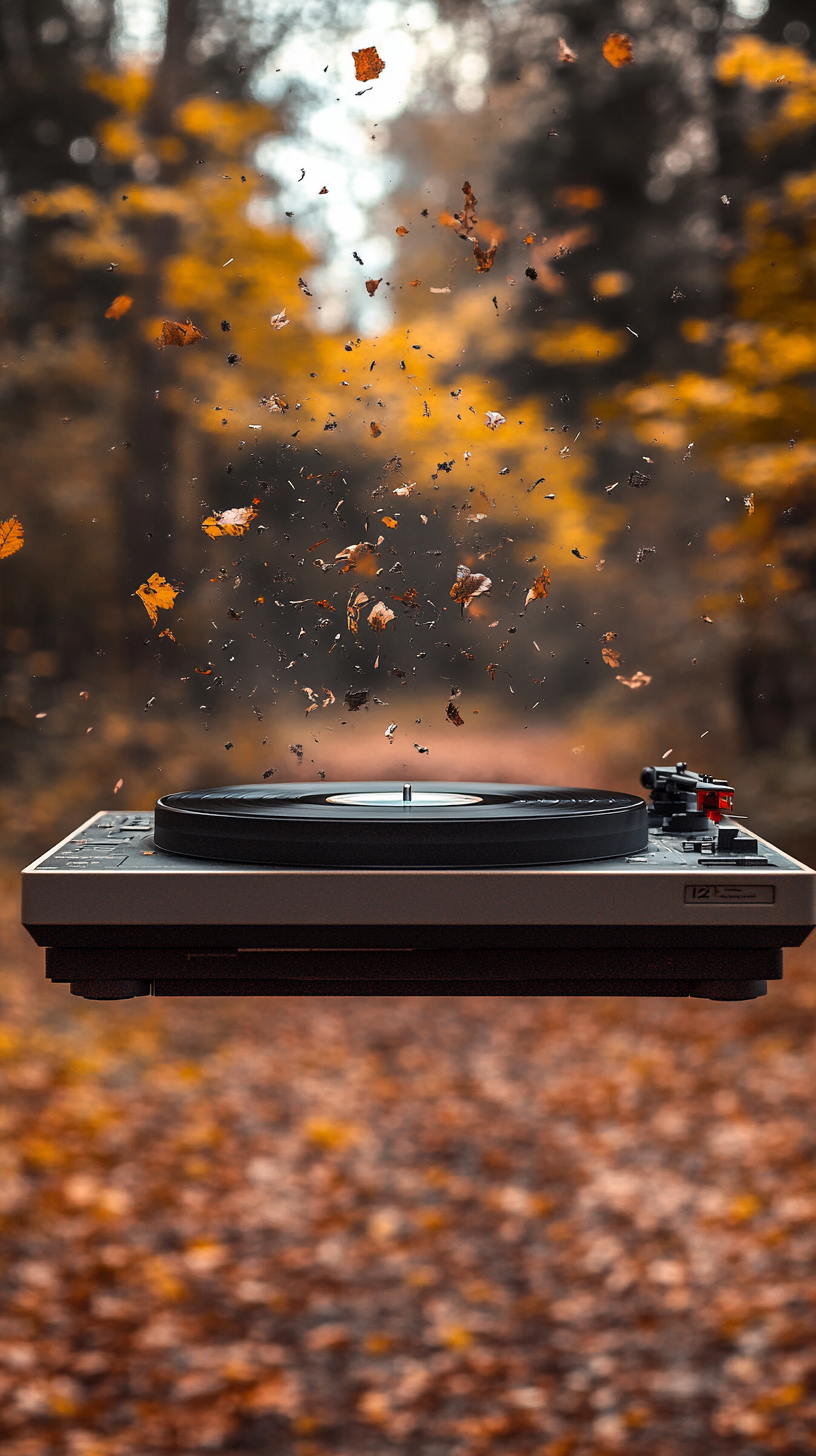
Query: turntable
x,y
421,889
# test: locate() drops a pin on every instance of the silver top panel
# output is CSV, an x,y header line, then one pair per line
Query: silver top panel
x,y
108,872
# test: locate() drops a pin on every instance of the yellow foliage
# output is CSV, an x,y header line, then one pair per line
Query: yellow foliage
x,y
580,343
227,125
759,65
128,90
121,138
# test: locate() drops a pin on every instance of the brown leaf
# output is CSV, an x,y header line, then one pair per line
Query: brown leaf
x,y
564,52
467,217
178,334
539,587
468,585
120,306
352,554
234,522
453,715
379,617
617,49
748,502
402,232
484,258
11,537
611,656
275,403
414,282
357,600
367,64
156,593
409,598
372,284
376,430
640,680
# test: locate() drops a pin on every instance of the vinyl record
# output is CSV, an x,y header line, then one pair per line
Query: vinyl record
x,y
391,825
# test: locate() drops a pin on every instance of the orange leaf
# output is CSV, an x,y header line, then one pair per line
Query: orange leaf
x,y
156,593
372,284
375,429
539,587
229,523
402,232
179,334
617,49
11,537
414,282
389,521
367,64
120,306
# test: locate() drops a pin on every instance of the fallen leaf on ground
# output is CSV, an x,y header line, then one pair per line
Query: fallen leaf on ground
x,y
367,64
539,587
379,617
11,537
178,334
640,680
468,585
119,307
617,49
156,593
229,523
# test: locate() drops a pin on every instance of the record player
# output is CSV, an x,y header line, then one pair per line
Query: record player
x,y
421,889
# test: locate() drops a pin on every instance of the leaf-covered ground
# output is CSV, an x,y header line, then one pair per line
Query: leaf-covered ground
x,y
430,1227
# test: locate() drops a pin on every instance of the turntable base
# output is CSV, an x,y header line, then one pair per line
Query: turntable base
x,y
121,916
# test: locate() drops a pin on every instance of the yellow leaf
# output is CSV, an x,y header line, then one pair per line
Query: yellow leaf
x,y
155,593
11,537
389,521
229,523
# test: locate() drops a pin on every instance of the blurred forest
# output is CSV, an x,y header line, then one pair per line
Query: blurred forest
x,y
340,1227
650,308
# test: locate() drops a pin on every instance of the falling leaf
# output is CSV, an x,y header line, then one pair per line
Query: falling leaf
x,y
564,52
707,619
389,521
414,282
379,617
402,232
617,49
453,715
11,537
356,698
229,523
352,554
440,290
638,479
120,783
390,731
275,403
425,409
372,284
493,419
576,552
484,257
405,489
376,430
611,656
538,588
748,502
367,64
640,680
119,307
469,585
178,334
279,320
302,285
167,633
156,593
467,218
321,193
